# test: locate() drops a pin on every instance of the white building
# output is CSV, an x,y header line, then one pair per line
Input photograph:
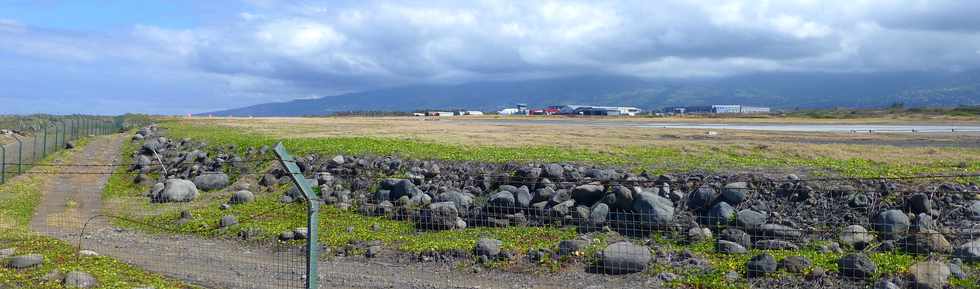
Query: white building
x,y
509,111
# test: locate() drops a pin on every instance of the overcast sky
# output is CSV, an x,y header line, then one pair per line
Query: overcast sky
x,y
175,57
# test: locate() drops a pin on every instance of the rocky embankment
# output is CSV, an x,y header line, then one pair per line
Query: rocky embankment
x,y
736,211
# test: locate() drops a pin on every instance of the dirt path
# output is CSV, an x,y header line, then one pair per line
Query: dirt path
x,y
71,199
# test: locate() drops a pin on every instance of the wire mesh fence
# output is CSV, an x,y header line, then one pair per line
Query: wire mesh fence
x,y
397,223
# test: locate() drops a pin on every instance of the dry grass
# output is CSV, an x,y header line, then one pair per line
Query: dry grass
x,y
885,148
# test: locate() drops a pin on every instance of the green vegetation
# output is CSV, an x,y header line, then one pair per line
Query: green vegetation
x,y
18,199
265,218
695,157
896,110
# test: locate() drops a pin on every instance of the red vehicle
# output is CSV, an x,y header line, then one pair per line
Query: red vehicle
x,y
551,110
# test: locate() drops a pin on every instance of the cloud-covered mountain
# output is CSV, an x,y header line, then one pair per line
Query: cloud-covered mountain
x,y
783,90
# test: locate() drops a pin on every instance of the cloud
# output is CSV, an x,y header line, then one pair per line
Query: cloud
x,y
274,50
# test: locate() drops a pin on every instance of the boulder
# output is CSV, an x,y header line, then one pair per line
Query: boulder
x,y
599,214
735,193
922,222
777,231
969,251
737,236
919,204
774,245
399,187
462,201
750,219
570,247
653,210
587,194
885,284
211,181
856,236
25,261
176,190
301,233
227,221
624,258
489,248
542,194
241,197
729,247
623,197
925,242
929,275
698,234
761,264
701,198
502,199
553,171
77,279
720,214
439,216
856,266
891,223
795,264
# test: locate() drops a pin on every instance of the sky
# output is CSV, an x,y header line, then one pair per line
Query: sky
x,y
187,56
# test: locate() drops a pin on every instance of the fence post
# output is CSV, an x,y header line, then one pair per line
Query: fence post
x,y
3,164
312,222
20,153
44,143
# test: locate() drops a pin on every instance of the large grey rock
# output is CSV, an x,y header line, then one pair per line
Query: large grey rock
x,y
750,219
919,204
856,236
720,214
701,198
522,198
25,261
623,197
856,266
487,247
624,258
77,279
761,264
176,190
227,221
735,193
922,222
399,187
737,236
653,210
729,247
925,242
554,171
777,231
587,194
211,181
502,199
462,201
795,264
929,275
774,245
884,283
570,247
599,214
969,251
241,197
892,223
439,216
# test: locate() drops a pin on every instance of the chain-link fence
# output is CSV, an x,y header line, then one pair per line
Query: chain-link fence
x,y
387,222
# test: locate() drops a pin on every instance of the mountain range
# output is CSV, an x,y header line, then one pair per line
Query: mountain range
x,y
781,91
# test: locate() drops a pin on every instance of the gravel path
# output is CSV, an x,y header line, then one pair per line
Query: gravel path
x,y
70,200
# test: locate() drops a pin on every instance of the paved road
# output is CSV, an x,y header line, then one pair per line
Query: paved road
x,y
857,128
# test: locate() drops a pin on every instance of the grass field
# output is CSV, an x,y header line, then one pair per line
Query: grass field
x,y
651,149
371,136
18,199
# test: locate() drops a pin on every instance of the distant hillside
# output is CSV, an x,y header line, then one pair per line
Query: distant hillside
x,y
784,90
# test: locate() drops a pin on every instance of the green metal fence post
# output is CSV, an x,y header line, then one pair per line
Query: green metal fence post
x,y
3,164
44,143
20,153
34,148
312,221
